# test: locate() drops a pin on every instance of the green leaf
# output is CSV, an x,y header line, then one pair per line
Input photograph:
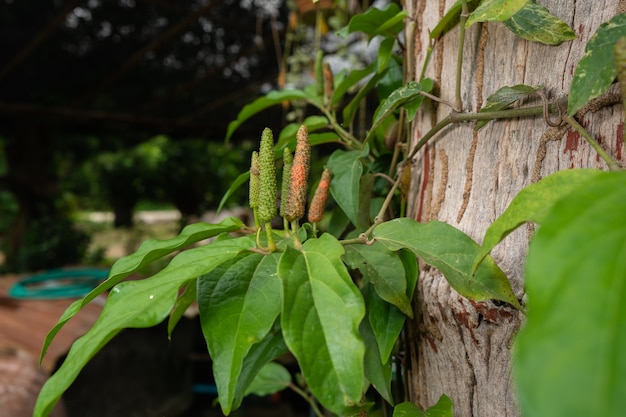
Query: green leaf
x,y
504,97
452,252
384,53
344,84
349,111
596,71
183,302
150,250
532,204
271,99
535,23
401,96
373,21
287,136
451,18
239,302
322,309
407,409
384,270
270,348
569,357
413,106
273,377
347,168
495,11
386,319
443,408
142,303
377,372
239,181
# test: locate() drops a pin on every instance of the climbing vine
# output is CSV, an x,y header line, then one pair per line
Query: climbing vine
x,y
335,291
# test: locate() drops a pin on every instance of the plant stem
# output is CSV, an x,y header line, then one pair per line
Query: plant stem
x,y
271,245
309,399
613,165
455,117
459,59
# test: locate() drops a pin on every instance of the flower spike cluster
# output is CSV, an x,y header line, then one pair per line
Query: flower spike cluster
x,y
298,180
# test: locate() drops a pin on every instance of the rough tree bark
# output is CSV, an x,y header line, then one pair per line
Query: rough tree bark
x,y
455,346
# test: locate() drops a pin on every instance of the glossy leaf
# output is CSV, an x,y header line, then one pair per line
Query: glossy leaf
x,y
384,270
347,168
532,204
273,377
322,309
142,303
239,302
403,95
271,99
569,357
535,23
149,250
452,252
495,11
596,71
504,97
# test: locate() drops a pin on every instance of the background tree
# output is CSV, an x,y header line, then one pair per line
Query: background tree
x,y
467,178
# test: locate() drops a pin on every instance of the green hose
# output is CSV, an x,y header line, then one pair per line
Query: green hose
x,y
58,283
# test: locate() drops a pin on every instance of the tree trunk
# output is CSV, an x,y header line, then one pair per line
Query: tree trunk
x,y
456,346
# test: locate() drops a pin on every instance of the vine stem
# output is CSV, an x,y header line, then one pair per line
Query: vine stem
x,y
455,117
613,165
459,59
309,399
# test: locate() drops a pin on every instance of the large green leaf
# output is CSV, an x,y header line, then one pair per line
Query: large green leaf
x,y
149,251
238,302
132,304
569,358
271,99
322,309
183,302
383,269
532,204
347,168
596,71
504,97
495,11
535,23
452,252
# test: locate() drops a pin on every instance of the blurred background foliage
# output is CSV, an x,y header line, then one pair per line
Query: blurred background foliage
x,y
115,105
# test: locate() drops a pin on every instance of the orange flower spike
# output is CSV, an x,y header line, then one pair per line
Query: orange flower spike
x,y
316,210
296,198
